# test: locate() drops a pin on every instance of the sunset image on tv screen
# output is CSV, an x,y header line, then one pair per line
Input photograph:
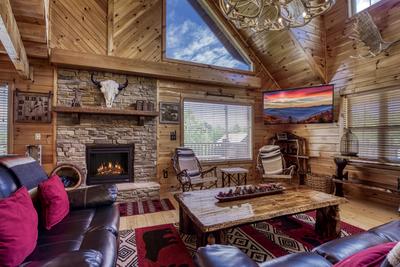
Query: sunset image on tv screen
x,y
303,105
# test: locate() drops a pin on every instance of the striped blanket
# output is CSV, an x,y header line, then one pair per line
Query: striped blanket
x,y
26,170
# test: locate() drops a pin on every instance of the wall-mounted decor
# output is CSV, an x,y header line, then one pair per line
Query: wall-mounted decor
x,y
110,89
169,112
299,105
32,107
366,33
34,151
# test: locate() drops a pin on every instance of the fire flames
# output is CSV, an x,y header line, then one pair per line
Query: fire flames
x,y
110,168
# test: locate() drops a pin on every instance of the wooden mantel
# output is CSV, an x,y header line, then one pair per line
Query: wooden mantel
x,y
76,111
162,70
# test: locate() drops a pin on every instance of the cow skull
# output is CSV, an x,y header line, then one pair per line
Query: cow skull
x,y
110,89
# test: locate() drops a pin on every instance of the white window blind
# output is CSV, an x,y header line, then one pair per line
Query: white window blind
x,y
360,5
3,119
218,131
374,117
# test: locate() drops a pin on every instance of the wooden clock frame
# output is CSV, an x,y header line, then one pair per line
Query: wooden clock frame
x,y
40,115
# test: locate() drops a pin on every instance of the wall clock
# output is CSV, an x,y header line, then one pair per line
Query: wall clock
x,y
32,107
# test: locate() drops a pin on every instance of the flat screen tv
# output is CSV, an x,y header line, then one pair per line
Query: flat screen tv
x,y
299,105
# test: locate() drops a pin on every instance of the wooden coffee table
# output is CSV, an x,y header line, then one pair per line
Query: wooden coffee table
x,y
200,212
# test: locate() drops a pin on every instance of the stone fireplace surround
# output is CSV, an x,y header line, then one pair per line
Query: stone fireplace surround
x,y
71,139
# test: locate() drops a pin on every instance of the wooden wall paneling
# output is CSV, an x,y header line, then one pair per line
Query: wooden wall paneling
x,y
24,133
79,25
363,74
137,29
177,91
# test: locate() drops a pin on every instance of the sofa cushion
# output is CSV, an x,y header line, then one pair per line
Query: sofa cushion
x,y
304,259
18,228
76,230
54,201
370,257
341,248
390,231
220,255
83,258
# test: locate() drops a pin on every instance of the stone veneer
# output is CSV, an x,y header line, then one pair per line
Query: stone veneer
x,y
106,129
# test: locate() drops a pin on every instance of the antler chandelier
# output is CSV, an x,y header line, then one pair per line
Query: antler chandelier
x,y
273,15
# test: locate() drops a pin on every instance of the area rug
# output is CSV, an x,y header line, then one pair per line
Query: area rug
x,y
142,207
261,241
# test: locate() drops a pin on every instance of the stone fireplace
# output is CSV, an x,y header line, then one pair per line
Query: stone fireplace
x,y
109,163
106,131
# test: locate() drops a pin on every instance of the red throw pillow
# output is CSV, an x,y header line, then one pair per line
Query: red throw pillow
x,y
54,201
370,257
18,228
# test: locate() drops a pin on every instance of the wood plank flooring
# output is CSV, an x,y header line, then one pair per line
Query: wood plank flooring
x,y
357,212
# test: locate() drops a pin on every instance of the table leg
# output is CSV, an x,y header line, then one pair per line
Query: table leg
x,y
327,223
210,238
223,179
245,178
229,179
186,225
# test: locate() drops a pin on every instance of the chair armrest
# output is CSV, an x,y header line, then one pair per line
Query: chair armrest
x,y
212,169
220,255
290,170
92,197
80,258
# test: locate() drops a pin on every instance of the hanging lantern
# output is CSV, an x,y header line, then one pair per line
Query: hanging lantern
x,y
349,144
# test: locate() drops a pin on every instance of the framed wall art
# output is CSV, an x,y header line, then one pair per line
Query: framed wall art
x,y
32,107
169,113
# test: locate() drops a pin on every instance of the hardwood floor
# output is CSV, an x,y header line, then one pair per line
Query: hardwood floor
x,y
357,212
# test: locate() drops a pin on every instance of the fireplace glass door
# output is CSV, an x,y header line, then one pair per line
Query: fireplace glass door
x,y
109,164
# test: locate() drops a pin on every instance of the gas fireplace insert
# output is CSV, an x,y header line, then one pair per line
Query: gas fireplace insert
x,y
109,164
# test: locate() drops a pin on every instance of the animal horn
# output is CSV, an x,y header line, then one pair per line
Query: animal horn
x,y
122,86
97,83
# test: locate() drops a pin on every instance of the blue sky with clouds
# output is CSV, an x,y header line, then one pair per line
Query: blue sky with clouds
x,y
190,39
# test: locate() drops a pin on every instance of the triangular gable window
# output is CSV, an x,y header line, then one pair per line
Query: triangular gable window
x,y
192,35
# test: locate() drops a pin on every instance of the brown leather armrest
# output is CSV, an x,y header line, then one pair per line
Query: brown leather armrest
x,y
92,197
84,258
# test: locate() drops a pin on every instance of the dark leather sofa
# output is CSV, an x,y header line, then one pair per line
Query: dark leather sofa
x,y
322,256
88,236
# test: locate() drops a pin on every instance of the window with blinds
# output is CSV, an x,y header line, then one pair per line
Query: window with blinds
x,y
360,5
374,117
218,131
3,119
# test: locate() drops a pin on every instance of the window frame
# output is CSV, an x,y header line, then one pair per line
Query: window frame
x,y
226,161
382,158
228,35
10,116
352,6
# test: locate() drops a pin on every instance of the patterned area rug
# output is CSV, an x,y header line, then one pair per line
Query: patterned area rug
x,y
261,241
142,207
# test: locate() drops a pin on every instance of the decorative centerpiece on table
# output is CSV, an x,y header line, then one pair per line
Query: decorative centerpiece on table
x,y
250,191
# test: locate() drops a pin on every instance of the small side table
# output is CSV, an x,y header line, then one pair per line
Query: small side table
x,y
230,173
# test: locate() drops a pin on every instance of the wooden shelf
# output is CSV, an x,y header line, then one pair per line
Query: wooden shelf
x,y
76,111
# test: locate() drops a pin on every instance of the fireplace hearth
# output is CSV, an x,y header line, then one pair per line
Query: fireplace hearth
x,y
109,164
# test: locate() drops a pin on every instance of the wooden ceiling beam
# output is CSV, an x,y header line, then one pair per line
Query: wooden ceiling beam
x,y
318,70
11,39
161,70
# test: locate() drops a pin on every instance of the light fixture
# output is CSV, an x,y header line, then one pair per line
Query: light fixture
x,y
273,15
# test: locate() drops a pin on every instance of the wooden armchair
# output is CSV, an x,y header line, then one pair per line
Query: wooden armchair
x,y
272,165
189,172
